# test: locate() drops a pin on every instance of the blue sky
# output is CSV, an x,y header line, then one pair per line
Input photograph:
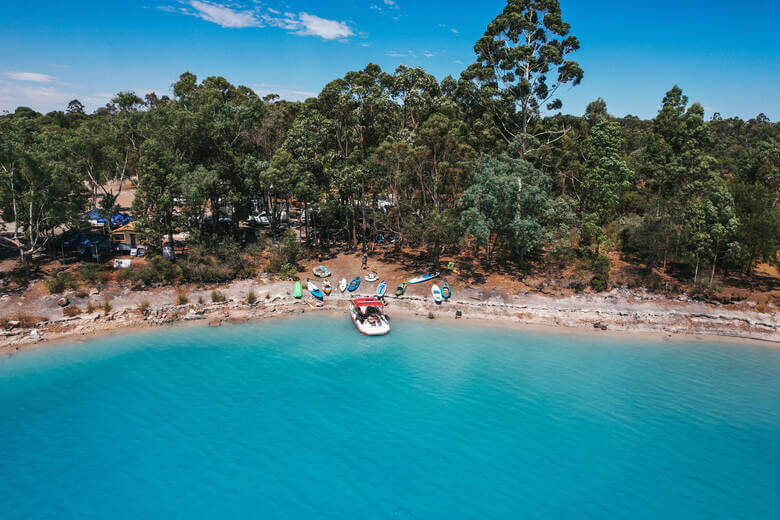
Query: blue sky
x,y
721,54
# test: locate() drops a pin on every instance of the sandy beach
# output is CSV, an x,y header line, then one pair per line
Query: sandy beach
x,y
616,312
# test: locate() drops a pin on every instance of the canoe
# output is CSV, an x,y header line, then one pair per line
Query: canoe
x,y
446,290
343,285
372,277
326,288
381,289
424,278
436,292
314,290
401,289
354,284
321,271
297,290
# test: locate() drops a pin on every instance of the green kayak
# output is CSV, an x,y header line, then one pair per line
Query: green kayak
x,y
297,290
401,289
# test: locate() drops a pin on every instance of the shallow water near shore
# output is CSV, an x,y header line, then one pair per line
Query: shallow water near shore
x,y
303,417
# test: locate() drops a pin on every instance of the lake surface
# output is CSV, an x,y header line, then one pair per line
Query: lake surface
x,y
305,418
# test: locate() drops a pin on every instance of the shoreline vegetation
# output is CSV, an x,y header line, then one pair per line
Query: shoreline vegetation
x,y
216,199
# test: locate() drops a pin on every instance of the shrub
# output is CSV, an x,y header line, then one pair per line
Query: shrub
x,y
144,307
290,272
81,293
289,247
70,311
275,264
200,300
598,284
90,307
106,306
58,282
181,298
217,296
28,321
93,272
251,297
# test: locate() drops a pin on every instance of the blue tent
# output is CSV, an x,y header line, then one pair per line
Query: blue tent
x,y
117,219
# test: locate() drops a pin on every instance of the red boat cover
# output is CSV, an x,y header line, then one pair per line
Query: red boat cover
x,y
366,302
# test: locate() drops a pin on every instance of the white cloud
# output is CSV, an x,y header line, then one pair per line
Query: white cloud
x,y
454,31
391,4
427,54
458,62
235,16
225,16
284,92
326,29
30,76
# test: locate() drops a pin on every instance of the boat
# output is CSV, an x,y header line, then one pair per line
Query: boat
x,y
326,288
401,289
424,278
381,289
372,277
436,292
446,290
369,317
321,271
297,290
314,290
343,284
354,284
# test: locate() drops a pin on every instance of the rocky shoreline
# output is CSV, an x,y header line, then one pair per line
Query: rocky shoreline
x,y
619,310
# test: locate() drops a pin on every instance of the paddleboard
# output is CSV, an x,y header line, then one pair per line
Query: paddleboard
x,y
436,292
297,290
424,278
354,284
381,289
446,290
343,285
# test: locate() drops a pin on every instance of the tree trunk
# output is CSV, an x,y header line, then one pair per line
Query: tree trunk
x,y
714,262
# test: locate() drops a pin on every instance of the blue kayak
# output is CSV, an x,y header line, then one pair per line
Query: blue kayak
x,y
446,290
354,284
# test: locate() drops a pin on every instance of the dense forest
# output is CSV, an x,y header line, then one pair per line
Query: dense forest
x,y
485,165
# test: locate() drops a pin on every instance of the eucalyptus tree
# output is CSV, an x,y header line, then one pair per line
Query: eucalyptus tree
x,y
38,192
607,176
521,65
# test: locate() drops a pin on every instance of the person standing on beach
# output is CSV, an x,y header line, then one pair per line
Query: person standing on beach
x,y
365,261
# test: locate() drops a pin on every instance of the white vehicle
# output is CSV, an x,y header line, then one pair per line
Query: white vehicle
x,y
261,219
369,317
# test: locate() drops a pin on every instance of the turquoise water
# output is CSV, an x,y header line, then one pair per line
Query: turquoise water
x,y
304,418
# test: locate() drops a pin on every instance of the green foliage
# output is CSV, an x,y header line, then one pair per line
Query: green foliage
x,y
251,297
289,248
182,298
217,296
58,282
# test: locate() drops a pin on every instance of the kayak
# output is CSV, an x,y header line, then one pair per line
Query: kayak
x,y
446,291
381,289
436,292
354,284
401,289
326,288
314,290
343,285
372,277
297,290
321,271
424,278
